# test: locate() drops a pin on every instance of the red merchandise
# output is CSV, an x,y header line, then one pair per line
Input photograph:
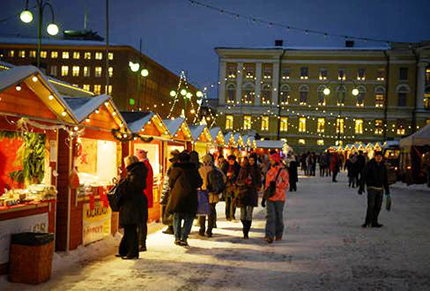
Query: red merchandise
x,y
149,184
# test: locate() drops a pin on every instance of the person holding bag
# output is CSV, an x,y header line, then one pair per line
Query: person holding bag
x,y
277,182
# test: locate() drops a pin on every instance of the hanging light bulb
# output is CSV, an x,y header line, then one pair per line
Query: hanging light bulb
x,y
52,29
144,73
173,93
199,94
183,92
355,92
26,16
326,91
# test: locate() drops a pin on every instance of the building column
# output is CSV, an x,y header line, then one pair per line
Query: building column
x,y
221,82
258,73
275,83
239,82
421,85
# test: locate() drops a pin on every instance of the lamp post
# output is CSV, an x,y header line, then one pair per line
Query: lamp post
x,y
26,16
141,72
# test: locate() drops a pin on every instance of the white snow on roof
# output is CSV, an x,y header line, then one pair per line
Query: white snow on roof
x,y
227,136
174,125
136,120
84,106
270,144
214,132
419,138
196,131
53,41
313,48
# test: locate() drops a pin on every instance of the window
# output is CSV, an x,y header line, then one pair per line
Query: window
x,y
108,89
320,125
97,89
321,96
361,96
266,94
231,93
320,142
86,87
402,96
379,129
303,91
11,54
86,71
43,54
229,122
53,70
304,73
323,74
427,98
380,75
75,71
401,125
54,54
65,55
267,72
249,71
379,97
99,56
427,75
98,72
248,94
110,55
403,73
341,74
21,54
284,124
361,74
340,125
110,71
246,122
285,73
32,54
359,126
302,141
76,55
231,71
302,124
427,121
265,123
341,94
87,55
64,70
285,94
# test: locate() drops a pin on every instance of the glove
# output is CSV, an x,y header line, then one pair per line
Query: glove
x,y
263,203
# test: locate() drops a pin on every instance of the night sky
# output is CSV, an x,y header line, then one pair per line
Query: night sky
x,y
182,36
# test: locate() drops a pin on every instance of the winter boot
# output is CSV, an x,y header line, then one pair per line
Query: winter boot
x,y
142,247
245,234
169,230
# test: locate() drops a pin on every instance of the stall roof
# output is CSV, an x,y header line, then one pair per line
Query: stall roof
x,y
174,125
198,130
215,132
419,138
136,121
229,138
84,106
270,144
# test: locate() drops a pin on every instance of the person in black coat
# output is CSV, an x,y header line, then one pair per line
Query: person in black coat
x,y
292,172
132,207
376,179
231,170
184,179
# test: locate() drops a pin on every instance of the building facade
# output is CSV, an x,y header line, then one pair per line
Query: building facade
x,y
83,64
317,97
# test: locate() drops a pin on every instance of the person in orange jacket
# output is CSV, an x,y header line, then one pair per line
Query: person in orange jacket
x,y
275,204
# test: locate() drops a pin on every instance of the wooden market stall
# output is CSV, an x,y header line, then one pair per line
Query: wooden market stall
x,y
202,139
152,136
181,138
218,142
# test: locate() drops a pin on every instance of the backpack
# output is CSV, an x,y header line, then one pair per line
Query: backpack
x,y
216,182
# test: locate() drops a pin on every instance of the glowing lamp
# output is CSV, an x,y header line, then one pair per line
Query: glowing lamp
x,y
52,29
189,95
144,73
199,94
172,93
183,92
355,92
326,91
34,79
134,67
26,16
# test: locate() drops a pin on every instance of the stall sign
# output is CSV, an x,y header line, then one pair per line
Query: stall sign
x,y
96,222
33,223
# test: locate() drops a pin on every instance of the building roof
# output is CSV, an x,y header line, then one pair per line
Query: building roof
x,y
53,41
83,106
419,138
310,48
137,120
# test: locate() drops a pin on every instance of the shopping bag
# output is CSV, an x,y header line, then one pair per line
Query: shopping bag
x,y
203,206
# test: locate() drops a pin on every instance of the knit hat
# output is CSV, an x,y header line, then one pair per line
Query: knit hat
x,y
276,157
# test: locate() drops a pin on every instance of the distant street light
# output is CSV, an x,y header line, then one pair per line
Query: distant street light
x,y
26,16
183,92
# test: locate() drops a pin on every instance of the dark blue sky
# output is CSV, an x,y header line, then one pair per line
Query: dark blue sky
x,y
182,37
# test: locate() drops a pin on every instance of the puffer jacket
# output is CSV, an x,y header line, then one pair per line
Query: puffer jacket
x,y
281,184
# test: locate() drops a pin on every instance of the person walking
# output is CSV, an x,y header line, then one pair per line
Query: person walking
x,y
376,179
275,204
167,218
184,179
351,167
231,170
292,171
361,162
132,207
335,166
214,182
323,164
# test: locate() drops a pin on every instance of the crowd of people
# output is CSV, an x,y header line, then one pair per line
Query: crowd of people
x,y
193,187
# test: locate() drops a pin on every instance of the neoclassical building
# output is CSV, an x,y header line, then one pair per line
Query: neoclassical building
x,y
315,97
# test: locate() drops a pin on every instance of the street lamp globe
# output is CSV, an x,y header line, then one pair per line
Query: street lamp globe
x,y
26,16
173,93
52,29
199,94
183,92
134,67
355,92
189,95
326,91
144,73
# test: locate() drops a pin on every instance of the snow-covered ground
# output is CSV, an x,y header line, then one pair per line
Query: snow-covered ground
x,y
323,248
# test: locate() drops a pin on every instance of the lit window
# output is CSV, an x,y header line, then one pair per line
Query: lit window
x,y
284,124
229,122
340,125
231,93
231,71
76,55
361,74
11,54
302,124
427,98
302,141
304,90
285,94
54,55
427,121
401,125
99,56
266,94
359,126
110,55
110,71
87,87
65,55
43,54
32,54
341,74
379,97
248,94
428,75
323,74
98,72
360,97
64,70
379,129
304,74
75,71
249,71
403,73
97,89
265,123
380,75
21,54
247,122
285,73
320,142
321,96
87,55
341,94
86,71
321,125
53,70
108,89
